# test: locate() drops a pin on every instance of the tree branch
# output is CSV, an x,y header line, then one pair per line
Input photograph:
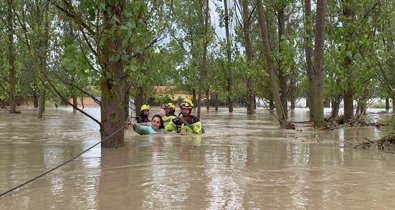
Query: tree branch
x,y
56,92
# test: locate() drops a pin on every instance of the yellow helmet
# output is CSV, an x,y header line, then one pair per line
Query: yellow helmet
x,y
186,103
144,107
171,105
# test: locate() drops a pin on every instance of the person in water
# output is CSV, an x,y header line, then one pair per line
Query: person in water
x,y
156,126
144,113
170,108
185,122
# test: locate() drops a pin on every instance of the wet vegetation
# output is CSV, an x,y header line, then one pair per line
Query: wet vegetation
x,y
384,143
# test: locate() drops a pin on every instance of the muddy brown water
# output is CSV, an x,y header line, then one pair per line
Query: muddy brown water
x,y
241,162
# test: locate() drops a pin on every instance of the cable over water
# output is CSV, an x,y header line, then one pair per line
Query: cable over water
x,y
62,164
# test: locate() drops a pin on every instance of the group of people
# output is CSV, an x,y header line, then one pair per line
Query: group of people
x,y
185,122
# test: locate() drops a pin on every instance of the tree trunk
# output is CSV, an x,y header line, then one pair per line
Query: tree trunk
x,y
35,100
308,105
229,76
348,92
41,99
249,53
113,82
281,115
361,108
126,99
281,70
216,102
327,103
335,106
271,105
308,44
11,58
75,103
318,77
204,59
194,96
82,102
348,105
207,100
42,57
292,88
139,99
387,104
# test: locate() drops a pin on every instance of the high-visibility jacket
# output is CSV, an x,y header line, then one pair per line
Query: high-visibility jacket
x,y
168,118
189,124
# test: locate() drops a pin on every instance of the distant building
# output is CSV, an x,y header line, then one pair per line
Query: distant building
x,y
171,92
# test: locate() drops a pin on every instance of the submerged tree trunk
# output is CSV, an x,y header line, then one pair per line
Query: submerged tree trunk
x,y
113,82
41,99
308,45
42,56
348,92
229,76
281,70
204,59
275,89
216,101
318,75
249,53
11,58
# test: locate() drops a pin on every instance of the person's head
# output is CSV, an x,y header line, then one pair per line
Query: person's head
x,y
157,122
186,107
170,107
144,109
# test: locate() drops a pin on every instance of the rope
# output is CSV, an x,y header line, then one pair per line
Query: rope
x,y
64,163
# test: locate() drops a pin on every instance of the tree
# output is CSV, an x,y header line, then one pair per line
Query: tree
x,y
249,54
308,44
318,70
229,77
275,89
11,57
205,40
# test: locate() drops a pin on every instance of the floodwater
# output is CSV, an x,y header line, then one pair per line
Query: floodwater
x,y
241,162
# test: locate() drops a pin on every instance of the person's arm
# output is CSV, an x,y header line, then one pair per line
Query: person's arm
x,y
143,130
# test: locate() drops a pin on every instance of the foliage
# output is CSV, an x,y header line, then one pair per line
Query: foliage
x,y
162,44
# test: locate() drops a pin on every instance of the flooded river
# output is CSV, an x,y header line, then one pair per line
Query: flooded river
x,y
241,162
